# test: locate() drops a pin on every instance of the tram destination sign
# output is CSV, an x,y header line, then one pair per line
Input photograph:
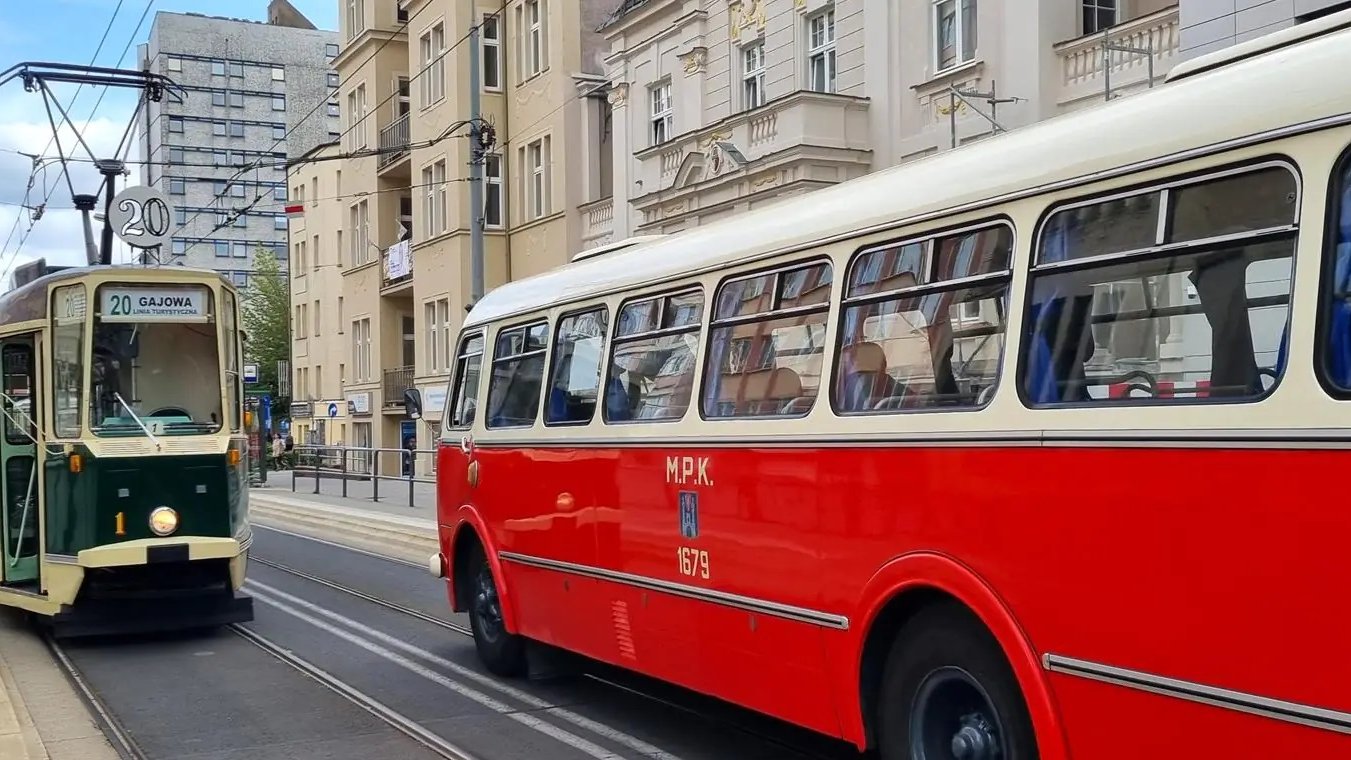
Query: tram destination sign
x,y
137,304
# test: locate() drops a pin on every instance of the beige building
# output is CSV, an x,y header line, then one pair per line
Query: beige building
x,y
725,105
401,229
319,351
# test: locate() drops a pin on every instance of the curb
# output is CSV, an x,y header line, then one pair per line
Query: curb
x,y
410,538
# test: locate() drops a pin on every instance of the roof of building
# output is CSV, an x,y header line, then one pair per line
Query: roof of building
x,y
1284,88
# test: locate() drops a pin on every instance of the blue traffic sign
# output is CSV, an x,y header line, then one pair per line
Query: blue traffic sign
x,y
333,410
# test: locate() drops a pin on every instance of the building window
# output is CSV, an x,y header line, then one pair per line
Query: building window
x,y
179,247
175,155
492,196
218,128
279,193
753,76
1099,15
236,100
222,248
242,221
236,129
361,350
821,52
175,63
278,74
432,46
279,222
535,162
491,32
237,70
436,314
218,68
954,33
237,190
239,250
331,50
663,116
279,131
176,186
356,17
334,109
356,114
532,27
358,218
218,99
278,102
175,125
333,80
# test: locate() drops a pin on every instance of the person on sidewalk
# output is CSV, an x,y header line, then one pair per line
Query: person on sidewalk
x,y
278,449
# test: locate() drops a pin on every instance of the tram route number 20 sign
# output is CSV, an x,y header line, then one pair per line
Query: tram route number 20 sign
x,y
141,217
134,304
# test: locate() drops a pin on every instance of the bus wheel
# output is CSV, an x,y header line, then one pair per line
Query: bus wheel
x,y
503,653
949,694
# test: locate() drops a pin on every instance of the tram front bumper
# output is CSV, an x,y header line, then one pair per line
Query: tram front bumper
x,y
101,617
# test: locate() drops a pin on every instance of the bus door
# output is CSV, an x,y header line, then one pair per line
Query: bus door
x,y
18,461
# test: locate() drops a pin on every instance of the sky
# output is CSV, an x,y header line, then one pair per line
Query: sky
x,y
68,31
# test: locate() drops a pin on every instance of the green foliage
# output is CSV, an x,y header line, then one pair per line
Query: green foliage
x,y
267,319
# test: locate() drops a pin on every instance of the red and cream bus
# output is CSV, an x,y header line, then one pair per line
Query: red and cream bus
x,y
1027,449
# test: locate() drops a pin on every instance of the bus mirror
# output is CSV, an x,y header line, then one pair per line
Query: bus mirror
x,y
412,403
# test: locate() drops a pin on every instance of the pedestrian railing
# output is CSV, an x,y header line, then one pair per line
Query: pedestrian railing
x,y
361,470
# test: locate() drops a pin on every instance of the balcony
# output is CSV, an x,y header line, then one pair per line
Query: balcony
x,y
394,142
803,141
1088,68
396,265
598,219
396,382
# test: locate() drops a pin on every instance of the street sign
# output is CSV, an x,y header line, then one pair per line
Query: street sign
x,y
250,373
333,410
141,217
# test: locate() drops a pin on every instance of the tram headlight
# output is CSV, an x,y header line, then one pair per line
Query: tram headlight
x,y
163,521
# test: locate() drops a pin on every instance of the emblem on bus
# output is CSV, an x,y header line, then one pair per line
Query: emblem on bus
x,y
689,514
467,444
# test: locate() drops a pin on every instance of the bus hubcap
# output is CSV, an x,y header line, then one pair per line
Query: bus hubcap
x,y
486,607
953,718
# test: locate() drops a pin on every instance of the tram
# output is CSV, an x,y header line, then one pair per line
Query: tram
x,y
123,451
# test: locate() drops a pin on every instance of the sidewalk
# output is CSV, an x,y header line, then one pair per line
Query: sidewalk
x,y
385,527
41,715
391,492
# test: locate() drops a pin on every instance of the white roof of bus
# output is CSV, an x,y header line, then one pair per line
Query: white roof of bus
x,y
1288,86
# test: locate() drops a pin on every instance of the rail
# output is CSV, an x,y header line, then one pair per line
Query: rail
x,y
394,142
396,381
361,464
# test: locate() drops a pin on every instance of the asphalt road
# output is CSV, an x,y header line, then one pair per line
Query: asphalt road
x,y
219,695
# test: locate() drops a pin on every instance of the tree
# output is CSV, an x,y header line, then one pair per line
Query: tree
x,y
267,319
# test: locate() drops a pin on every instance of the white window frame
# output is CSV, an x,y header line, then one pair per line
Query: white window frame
x,y
433,328
492,50
493,186
661,119
753,75
356,18
428,204
960,10
442,200
821,51
535,164
432,63
536,38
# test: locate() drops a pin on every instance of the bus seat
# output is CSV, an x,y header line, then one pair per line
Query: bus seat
x,y
557,410
1339,343
783,387
863,370
1042,386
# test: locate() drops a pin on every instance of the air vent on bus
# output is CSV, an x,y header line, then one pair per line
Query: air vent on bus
x,y
1333,22
591,253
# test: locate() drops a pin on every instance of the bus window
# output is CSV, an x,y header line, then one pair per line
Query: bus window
x,y
464,398
1335,346
652,368
923,323
575,381
518,374
1199,313
767,344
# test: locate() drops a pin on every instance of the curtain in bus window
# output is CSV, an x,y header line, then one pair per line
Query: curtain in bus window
x,y
1339,318
1042,384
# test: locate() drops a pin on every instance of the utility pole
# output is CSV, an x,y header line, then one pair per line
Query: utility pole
x,y
109,168
475,170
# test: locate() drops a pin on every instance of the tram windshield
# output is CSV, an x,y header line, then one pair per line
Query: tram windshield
x,y
155,363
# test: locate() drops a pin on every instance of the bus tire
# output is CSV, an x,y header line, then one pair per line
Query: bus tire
x,y
502,652
948,692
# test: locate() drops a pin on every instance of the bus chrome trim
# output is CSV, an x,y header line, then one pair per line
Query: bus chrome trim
x,y
63,559
1276,709
786,611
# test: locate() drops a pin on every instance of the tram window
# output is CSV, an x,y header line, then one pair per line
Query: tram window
x,y
1201,313
579,345
518,375
17,363
230,327
651,377
923,323
464,400
1334,349
68,315
767,344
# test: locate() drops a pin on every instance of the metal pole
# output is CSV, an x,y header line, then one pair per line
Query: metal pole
x,y
952,117
375,477
343,469
1106,65
106,247
475,173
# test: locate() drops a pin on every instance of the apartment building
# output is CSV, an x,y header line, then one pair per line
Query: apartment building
x,y
219,152
403,240
321,339
1209,25
725,105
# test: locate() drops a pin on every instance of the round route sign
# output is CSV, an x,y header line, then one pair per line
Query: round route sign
x,y
141,217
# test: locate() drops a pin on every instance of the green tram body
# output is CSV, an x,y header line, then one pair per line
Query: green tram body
x,y
84,555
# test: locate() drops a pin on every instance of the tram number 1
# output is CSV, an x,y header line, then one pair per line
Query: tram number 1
x,y
693,562
121,523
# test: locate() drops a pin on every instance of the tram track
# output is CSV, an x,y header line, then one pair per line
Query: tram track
x,y
463,630
118,735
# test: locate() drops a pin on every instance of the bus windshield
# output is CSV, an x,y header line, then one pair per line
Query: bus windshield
x,y
155,362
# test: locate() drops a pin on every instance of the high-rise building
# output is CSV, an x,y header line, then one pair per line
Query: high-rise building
x,y
1208,25
254,94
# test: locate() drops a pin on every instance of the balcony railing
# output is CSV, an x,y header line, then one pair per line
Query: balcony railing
x,y
394,141
598,218
1111,62
396,382
396,263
